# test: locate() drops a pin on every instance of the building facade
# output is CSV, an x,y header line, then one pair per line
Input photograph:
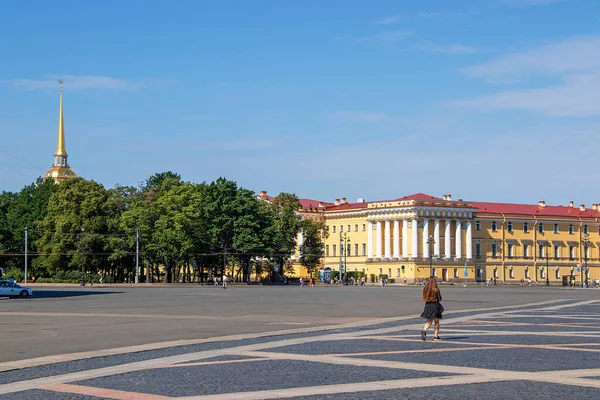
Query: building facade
x,y
409,238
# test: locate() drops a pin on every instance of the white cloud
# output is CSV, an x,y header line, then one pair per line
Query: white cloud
x,y
77,82
388,37
574,54
446,49
577,96
361,116
387,20
574,65
529,3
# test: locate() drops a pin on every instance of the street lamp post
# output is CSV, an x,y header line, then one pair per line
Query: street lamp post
x,y
430,241
586,243
344,240
547,255
82,259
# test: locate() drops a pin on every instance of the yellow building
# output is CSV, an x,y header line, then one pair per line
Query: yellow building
x,y
60,169
407,238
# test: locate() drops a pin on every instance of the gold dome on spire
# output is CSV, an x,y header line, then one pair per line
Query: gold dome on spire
x,y
60,170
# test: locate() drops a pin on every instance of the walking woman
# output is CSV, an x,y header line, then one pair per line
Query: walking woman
x,y
433,309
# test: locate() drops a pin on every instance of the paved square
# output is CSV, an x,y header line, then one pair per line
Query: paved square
x,y
530,343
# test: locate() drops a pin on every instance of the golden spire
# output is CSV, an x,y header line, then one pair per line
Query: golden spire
x,y
60,146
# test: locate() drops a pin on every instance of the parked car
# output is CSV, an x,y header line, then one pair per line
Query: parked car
x,y
11,289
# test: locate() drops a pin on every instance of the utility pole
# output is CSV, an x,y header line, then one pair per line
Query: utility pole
x,y
341,256
25,254
137,255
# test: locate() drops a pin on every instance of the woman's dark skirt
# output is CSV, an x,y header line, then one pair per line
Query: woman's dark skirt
x,y
432,310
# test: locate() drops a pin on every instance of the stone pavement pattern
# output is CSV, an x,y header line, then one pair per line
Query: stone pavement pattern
x,y
541,350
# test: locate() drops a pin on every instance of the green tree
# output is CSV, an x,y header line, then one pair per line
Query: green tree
x,y
73,232
286,226
312,249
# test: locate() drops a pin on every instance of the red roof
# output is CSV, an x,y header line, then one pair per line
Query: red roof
x,y
418,196
347,206
308,203
533,209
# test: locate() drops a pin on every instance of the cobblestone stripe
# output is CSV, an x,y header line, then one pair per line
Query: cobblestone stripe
x,y
103,393
346,388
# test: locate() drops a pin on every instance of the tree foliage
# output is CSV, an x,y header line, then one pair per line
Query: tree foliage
x,y
187,231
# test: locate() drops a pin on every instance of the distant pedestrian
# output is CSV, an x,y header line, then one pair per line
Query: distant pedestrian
x,y
224,281
433,308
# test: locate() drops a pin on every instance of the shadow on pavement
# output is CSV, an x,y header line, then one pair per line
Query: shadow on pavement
x,y
53,294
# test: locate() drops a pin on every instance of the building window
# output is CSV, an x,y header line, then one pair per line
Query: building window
x,y
397,271
541,247
525,250
556,251
364,249
525,227
495,272
555,228
364,227
494,248
478,225
333,229
356,249
433,270
557,273
585,230
511,273
542,272
541,228
526,272
389,272
571,229
510,249
586,252
348,250
356,228
380,271
478,248
456,272
347,228
341,228
327,251
571,252
509,227
494,226
479,272
333,250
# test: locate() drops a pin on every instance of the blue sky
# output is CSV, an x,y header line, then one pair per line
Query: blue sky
x,y
490,100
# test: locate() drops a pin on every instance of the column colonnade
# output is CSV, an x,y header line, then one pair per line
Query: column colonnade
x,y
390,244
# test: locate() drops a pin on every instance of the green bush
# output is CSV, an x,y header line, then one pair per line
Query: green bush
x,y
392,280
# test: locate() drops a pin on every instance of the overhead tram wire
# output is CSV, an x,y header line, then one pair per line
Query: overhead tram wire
x,y
22,160
16,170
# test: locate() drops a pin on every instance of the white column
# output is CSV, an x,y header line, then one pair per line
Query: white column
x,y
436,237
447,244
458,240
469,240
396,238
370,240
388,242
415,238
378,240
425,238
404,238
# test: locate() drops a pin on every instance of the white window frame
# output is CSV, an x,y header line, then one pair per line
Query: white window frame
x,y
477,225
525,227
509,226
541,227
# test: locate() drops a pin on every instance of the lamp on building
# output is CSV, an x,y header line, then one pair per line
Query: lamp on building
x,y
430,242
586,243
